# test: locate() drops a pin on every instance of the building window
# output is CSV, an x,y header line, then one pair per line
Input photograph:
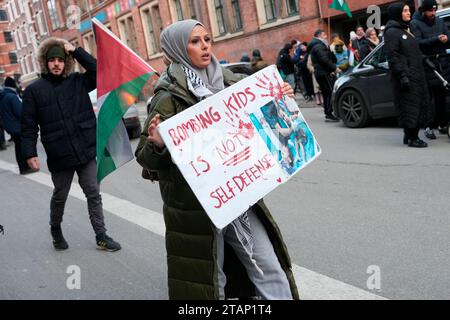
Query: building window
x,y
89,44
27,62
151,20
183,9
220,16
34,61
276,10
3,15
236,14
53,13
292,7
12,58
8,36
225,17
76,44
27,31
14,9
192,10
21,39
10,13
21,7
16,40
40,23
179,8
271,10
128,32
23,67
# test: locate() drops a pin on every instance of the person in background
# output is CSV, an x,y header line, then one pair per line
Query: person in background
x,y
371,43
286,65
407,74
11,113
2,136
317,93
325,68
342,55
296,49
245,58
257,62
433,37
305,72
334,38
359,43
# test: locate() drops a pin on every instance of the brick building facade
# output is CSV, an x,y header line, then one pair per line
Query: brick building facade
x,y
29,28
237,26
8,54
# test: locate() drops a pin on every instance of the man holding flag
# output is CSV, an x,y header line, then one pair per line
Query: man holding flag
x,y
58,106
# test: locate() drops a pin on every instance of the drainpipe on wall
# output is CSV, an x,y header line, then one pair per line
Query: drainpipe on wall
x,y
320,8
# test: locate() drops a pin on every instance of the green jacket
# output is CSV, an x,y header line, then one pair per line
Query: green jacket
x,y
190,245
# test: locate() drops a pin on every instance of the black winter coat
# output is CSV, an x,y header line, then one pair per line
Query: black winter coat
x,y
323,59
285,62
61,109
10,110
360,46
367,48
427,35
406,61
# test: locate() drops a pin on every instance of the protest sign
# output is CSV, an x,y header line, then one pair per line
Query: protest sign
x,y
235,147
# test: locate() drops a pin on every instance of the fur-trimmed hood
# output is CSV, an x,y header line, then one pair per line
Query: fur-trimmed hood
x,y
42,53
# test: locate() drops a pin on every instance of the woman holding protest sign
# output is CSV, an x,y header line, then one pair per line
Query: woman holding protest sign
x,y
246,258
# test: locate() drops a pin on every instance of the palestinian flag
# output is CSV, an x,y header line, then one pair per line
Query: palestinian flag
x,y
121,74
340,5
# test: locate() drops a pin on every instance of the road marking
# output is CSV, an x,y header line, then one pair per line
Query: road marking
x,y
312,285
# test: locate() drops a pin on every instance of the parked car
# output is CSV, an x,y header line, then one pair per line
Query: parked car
x,y
239,67
130,118
236,67
365,92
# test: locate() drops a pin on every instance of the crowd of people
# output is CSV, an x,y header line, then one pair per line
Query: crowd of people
x,y
311,68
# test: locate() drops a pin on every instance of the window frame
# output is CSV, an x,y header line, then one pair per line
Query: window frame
x,y
230,14
281,13
122,23
12,54
53,15
148,11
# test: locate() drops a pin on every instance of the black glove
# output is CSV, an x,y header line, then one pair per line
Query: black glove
x,y
404,83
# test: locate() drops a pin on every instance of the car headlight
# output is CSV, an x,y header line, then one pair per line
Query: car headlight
x,y
339,82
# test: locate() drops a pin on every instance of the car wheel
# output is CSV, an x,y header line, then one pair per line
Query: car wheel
x,y
448,130
353,110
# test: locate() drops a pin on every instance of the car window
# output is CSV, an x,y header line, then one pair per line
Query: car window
x,y
379,58
446,20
